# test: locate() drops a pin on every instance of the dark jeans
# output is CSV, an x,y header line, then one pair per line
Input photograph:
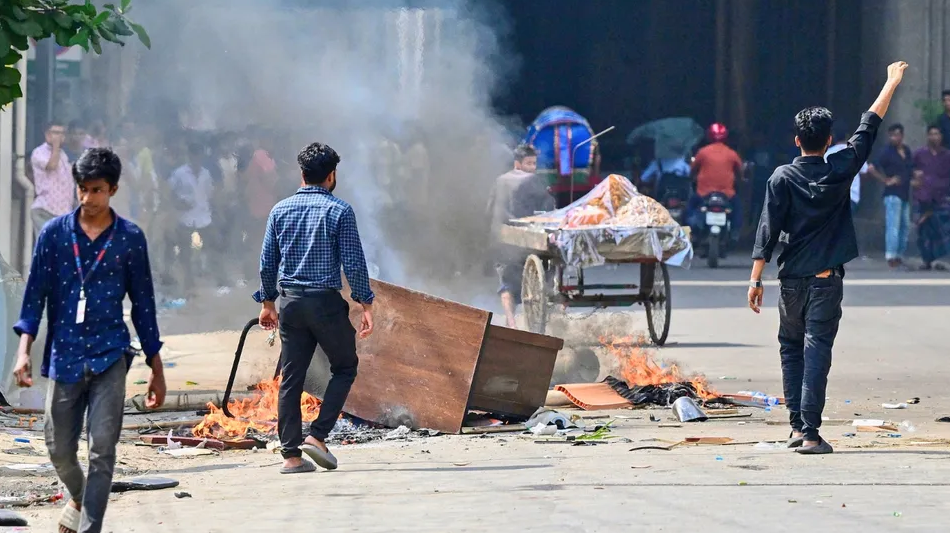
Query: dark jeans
x,y
103,397
809,312
306,320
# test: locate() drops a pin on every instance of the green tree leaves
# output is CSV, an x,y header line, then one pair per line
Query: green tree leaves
x,y
70,23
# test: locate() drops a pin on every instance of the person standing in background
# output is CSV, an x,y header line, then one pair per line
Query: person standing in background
x,y
191,189
75,135
55,190
931,187
943,122
855,195
894,167
260,182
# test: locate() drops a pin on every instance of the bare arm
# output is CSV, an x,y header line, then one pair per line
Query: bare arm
x,y
895,73
55,153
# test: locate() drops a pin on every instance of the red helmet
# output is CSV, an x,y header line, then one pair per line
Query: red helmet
x,y
717,132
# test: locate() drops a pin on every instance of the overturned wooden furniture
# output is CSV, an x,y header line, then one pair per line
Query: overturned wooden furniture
x,y
430,361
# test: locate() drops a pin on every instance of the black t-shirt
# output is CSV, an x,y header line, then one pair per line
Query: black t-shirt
x,y
892,164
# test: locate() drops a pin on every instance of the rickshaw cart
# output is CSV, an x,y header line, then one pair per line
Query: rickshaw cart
x,y
554,271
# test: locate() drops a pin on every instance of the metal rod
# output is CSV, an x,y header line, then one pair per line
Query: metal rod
x,y
234,366
574,153
606,287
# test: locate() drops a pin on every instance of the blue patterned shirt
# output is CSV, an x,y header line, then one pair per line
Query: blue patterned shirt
x,y
309,236
54,282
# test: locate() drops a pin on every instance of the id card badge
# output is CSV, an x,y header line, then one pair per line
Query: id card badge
x,y
81,309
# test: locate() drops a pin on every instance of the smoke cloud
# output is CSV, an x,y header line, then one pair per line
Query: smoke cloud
x,y
402,93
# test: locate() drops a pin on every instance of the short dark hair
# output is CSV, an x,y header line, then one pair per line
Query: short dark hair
x,y
50,124
813,127
933,127
317,161
896,127
945,93
97,163
523,151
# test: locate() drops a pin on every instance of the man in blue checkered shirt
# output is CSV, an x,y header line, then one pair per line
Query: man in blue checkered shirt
x,y
309,237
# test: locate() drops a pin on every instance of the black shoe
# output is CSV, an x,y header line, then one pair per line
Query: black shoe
x,y
822,448
794,442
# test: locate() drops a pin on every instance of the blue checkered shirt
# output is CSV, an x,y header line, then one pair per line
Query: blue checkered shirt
x,y
309,237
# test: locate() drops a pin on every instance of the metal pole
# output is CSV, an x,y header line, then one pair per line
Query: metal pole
x,y
574,153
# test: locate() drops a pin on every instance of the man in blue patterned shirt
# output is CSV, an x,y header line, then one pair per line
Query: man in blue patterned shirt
x,y
309,236
84,265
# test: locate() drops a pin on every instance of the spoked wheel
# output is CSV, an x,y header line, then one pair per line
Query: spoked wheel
x,y
657,304
534,295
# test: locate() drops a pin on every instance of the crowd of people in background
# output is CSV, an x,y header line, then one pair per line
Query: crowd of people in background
x,y
189,191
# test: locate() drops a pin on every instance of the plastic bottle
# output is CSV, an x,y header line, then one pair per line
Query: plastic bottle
x,y
908,426
760,397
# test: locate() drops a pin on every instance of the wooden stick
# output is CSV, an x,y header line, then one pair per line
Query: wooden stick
x,y
492,429
173,424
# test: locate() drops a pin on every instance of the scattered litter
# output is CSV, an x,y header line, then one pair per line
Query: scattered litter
x,y
727,378
170,365
898,514
686,410
191,383
187,452
223,290
847,401
770,446
669,425
600,433
638,467
850,435
843,505
544,430
171,444
144,483
652,447
273,446
401,432
140,382
182,494
719,458
549,417
757,468
908,426
743,483
707,440
24,440
462,464
892,435
943,419
653,418
792,501
894,405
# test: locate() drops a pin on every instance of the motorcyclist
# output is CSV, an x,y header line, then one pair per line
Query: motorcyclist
x,y
716,168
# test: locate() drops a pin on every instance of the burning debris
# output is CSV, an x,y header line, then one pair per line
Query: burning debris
x,y
256,415
644,381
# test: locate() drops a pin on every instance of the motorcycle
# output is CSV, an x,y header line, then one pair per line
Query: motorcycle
x,y
673,194
717,227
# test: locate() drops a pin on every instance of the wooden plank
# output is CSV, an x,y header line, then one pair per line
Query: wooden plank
x,y
514,372
524,237
417,368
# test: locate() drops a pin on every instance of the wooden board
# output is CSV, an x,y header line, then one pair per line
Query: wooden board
x,y
417,367
514,372
530,238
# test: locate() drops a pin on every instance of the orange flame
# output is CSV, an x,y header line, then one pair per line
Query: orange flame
x,y
638,367
258,412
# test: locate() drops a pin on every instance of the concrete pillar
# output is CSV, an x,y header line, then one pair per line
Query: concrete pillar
x,y
916,31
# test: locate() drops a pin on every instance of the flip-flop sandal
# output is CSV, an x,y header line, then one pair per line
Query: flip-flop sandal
x,y
322,458
821,449
302,468
70,518
794,442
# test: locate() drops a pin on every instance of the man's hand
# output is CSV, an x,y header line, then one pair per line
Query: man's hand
x,y
268,316
155,396
366,325
755,298
895,71
892,181
23,371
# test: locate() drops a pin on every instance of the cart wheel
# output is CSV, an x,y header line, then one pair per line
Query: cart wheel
x,y
658,304
534,296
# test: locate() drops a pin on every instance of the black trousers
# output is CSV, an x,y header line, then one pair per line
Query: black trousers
x,y
308,319
809,311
